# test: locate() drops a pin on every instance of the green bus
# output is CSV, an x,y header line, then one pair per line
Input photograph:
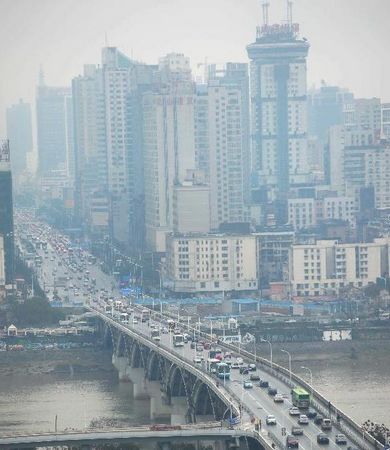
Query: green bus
x,y
300,398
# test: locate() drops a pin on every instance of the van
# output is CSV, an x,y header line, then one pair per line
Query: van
x,y
326,425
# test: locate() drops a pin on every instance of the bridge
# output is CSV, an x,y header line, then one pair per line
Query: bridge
x,y
141,436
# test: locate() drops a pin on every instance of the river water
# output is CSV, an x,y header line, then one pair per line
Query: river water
x,y
29,402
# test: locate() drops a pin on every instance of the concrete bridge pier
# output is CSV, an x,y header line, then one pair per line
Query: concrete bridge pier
x,y
121,364
179,409
159,407
140,383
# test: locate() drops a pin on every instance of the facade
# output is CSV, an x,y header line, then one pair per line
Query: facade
x,y
385,119
55,129
19,133
211,263
229,174
279,108
191,208
90,146
327,267
6,212
273,248
168,146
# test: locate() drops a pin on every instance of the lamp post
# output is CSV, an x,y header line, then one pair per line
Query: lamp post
x,y
270,349
311,378
289,361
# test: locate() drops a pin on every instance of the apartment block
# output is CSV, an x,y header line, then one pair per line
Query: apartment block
x,y
327,266
211,263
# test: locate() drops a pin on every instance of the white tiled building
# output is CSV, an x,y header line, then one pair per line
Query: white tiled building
x,y
327,266
211,263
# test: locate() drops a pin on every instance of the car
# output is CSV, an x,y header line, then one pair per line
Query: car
x,y
311,414
303,419
294,411
322,439
197,360
252,367
326,425
292,441
135,321
270,420
263,384
235,366
193,345
239,361
296,430
272,391
341,439
318,420
244,370
248,384
278,398
254,377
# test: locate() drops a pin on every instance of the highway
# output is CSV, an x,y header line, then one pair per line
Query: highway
x,y
56,263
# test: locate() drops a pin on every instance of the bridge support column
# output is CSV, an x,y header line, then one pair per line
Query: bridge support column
x,y
159,408
140,387
121,364
179,408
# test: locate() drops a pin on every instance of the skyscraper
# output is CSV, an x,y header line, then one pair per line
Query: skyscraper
x,y
279,110
6,211
169,145
19,133
54,127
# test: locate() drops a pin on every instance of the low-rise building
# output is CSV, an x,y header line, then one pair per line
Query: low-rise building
x,y
211,263
327,267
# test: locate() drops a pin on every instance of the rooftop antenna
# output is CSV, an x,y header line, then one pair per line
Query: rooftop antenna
x,y
265,6
289,12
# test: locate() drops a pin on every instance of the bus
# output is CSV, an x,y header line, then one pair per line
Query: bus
x,y
300,398
178,340
223,371
212,364
145,315
155,335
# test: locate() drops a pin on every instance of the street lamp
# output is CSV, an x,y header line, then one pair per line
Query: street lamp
x,y
289,361
311,377
270,349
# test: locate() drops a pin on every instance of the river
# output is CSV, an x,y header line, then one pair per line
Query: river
x,y
32,394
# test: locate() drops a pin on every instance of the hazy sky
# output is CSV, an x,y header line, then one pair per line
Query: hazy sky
x,y
349,38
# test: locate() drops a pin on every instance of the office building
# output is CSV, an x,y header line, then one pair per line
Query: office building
x,y
55,130
385,120
2,266
279,107
6,212
19,134
327,267
211,263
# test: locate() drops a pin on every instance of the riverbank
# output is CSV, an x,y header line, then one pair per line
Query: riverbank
x,y
54,361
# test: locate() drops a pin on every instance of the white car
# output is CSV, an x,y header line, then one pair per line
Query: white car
x,y
303,419
270,420
279,398
135,321
294,411
197,360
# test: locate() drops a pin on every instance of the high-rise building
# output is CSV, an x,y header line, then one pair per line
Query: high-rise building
x,y
19,133
385,119
228,157
279,105
90,149
6,211
54,130
168,145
